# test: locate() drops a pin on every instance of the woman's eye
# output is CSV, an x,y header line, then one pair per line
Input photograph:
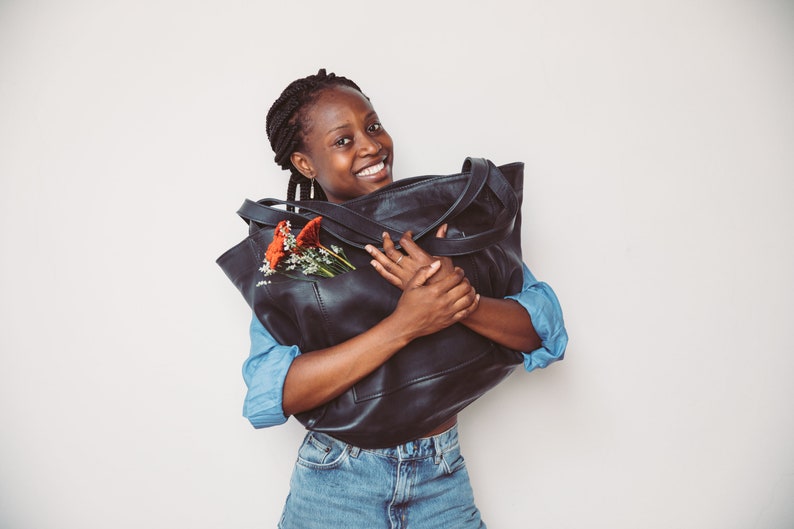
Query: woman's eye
x,y
375,127
342,142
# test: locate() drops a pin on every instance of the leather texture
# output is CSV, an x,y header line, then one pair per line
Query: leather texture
x,y
434,377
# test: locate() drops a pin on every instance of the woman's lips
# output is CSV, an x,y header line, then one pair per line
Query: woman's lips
x,y
372,169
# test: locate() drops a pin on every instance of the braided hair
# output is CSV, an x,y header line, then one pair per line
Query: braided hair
x,y
286,125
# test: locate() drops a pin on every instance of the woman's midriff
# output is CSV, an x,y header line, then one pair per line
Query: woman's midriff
x,y
444,427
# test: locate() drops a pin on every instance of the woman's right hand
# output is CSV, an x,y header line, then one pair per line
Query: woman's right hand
x,y
428,306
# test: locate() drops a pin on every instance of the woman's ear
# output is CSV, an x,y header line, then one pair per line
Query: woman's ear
x,y
302,164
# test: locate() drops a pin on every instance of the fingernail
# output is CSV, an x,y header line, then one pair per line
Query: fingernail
x,y
368,248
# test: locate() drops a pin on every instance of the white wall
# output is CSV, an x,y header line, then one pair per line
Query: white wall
x,y
659,142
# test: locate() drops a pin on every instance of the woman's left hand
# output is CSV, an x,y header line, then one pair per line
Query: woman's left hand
x,y
398,268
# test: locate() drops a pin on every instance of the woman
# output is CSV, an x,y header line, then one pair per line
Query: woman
x,y
327,134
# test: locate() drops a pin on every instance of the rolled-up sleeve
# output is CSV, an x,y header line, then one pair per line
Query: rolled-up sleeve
x,y
543,307
264,372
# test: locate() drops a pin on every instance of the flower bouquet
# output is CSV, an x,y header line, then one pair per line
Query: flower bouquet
x,y
303,255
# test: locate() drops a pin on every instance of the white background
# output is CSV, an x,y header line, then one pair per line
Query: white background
x,y
659,143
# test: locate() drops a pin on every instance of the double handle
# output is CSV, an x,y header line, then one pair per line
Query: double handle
x,y
358,230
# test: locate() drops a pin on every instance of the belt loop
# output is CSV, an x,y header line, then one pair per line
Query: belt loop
x,y
354,451
437,448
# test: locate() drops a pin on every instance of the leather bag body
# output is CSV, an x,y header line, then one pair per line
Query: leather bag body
x,y
434,377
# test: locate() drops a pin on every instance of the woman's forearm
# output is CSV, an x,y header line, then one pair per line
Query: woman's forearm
x,y
506,322
316,377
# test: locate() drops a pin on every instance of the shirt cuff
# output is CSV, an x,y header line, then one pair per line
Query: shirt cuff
x,y
264,373
544,309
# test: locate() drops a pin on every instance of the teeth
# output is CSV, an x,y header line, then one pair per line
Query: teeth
x,y
371,169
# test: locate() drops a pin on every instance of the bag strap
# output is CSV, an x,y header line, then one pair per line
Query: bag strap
x,y
357,230
349,220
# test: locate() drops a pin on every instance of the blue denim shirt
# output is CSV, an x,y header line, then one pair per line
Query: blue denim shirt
x,y
266,368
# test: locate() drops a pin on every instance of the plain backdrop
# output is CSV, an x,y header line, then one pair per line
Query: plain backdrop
x,y
658,138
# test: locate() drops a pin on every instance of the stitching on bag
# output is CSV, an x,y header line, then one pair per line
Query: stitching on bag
x,y
252,248
327,327
475,269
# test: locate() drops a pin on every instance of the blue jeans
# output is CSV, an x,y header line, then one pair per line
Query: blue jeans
x,y
422,484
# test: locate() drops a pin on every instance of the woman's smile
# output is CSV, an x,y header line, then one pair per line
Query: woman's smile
x,y
372,169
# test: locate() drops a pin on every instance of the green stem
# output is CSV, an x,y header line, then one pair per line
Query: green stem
x,y
348,263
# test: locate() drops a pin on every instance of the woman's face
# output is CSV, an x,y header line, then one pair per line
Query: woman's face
x,y
345,146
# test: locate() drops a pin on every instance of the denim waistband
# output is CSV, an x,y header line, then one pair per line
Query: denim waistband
x,y
434,446
424,447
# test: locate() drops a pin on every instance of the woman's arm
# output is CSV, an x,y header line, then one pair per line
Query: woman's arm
x,y
266,368
505,322
316,377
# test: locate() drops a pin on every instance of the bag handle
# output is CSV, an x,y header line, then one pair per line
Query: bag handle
x,y
349,220
358,231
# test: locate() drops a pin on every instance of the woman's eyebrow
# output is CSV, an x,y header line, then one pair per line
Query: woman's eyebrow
x,y
338,127
347,124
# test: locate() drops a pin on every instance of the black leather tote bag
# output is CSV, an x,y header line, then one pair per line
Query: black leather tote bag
x,y
434,377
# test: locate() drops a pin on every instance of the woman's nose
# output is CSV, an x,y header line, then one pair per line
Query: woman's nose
x,y
369,146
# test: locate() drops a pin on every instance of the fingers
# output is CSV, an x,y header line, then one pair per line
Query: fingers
x,y
412,249
462,295
429,306
453,290
389,249
387,267
399,267
386,274
424,273
455,298
419,256
466,312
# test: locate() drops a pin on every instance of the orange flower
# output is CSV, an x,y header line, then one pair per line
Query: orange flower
x,y
275,251
302,256
309,237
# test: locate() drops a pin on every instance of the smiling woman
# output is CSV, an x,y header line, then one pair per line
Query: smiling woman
x,y
345,147
325,131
